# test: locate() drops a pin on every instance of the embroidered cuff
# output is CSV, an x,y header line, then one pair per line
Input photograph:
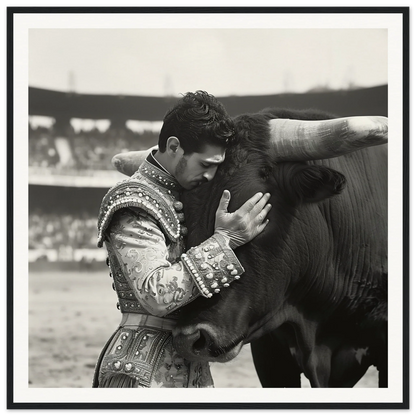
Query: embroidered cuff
x,y
213,265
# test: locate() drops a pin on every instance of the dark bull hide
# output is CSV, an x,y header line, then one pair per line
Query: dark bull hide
x,y
313,298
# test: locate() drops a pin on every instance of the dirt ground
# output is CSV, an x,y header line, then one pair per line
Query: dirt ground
x,y
71,316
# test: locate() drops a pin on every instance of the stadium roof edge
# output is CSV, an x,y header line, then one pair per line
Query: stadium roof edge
x,y
65,105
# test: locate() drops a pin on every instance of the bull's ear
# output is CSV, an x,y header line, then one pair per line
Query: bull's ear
x,y
315,183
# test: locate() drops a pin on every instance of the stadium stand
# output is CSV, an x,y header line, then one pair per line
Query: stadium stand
x,y
70,169
42,150
83,150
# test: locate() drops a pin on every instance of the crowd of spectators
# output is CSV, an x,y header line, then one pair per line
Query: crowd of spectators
x,y
74,152
85,149
42,150
60,231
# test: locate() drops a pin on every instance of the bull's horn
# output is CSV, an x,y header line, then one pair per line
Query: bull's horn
x,y
129,162
297,140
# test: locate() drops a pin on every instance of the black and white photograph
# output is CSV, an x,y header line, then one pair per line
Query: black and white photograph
x,y
208,199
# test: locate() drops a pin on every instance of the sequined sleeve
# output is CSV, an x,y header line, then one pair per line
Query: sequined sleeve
x,y
162,286
140,246
213,265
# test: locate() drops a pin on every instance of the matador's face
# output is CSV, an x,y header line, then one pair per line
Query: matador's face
x,y
195,169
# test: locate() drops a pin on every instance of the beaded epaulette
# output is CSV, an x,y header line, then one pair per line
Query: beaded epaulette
x,y
133,193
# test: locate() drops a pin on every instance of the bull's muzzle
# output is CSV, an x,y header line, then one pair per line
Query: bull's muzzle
x,y
202,343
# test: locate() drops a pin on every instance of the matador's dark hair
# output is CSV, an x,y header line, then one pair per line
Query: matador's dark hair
x,y
196,120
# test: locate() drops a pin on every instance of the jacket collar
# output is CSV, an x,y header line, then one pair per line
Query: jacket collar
x,y
158,175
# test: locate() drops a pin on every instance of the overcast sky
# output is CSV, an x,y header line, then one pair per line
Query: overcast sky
x,y
220,61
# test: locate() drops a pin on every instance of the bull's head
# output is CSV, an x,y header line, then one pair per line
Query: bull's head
x,y
263,160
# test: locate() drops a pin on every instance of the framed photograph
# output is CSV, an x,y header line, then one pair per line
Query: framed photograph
x,y
314,331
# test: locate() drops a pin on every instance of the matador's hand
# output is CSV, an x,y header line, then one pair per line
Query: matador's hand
x,y
247,222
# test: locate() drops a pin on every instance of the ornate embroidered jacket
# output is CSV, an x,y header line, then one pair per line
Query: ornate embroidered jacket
x,y
141,224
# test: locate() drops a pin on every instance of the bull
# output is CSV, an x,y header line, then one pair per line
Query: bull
x,y
313,299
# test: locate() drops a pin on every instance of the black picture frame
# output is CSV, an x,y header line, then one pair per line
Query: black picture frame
x,y
14,35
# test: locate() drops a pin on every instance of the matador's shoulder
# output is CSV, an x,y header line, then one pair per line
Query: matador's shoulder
x,y
133,192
